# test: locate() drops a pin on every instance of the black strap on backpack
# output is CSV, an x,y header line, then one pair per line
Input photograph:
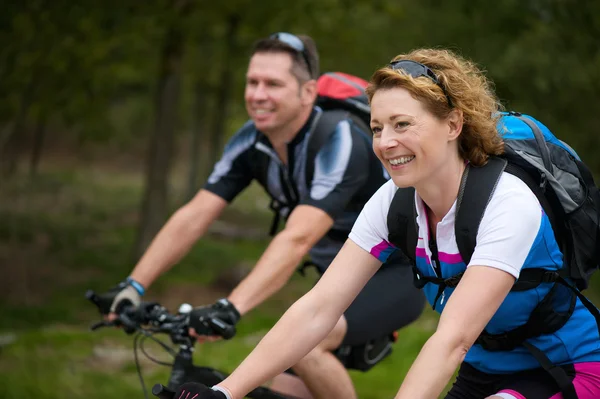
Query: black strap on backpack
x,y
404,232
402,222
325,126
565,384
594,194
472,200
322,131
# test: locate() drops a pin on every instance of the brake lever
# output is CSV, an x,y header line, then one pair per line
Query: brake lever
x,y
225,330
104,323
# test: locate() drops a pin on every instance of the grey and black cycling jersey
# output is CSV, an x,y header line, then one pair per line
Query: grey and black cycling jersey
x,y
345,175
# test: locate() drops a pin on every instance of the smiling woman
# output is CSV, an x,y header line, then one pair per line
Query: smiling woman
x,y
434,113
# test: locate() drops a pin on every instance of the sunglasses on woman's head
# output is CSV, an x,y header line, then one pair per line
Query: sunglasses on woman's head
x,y
416,70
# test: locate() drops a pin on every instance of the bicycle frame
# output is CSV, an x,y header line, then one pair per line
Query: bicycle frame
x,y
184,371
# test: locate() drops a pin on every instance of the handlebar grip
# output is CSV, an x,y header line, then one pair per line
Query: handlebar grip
x,y
162,392
102,302
225,330
90,295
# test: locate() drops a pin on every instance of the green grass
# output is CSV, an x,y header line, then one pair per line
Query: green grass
x,y
68,361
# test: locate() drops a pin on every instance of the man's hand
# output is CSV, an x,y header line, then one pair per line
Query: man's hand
x,y
195,390
126,293
202,321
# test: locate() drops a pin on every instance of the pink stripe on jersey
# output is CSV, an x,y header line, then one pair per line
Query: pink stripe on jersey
x,y
420,253
379,248
450,258
443,256
586,382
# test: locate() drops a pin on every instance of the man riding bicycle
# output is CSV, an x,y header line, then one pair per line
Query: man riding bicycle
x,y
320,209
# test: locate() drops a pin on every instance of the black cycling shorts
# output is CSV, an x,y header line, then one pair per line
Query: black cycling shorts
x,y
530,384
388,302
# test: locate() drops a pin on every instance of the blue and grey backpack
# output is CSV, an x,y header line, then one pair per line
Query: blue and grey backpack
x,y
566,190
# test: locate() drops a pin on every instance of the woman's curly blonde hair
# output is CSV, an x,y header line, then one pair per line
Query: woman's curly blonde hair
x,y
468,89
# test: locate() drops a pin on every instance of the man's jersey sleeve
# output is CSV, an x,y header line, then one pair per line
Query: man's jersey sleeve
x,y
341,168
233,173
370,231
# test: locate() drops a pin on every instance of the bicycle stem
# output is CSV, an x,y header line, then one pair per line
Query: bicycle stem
x,y
182,363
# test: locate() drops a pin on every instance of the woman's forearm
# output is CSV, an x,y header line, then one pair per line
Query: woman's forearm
x,y
433,368
298,331
307,322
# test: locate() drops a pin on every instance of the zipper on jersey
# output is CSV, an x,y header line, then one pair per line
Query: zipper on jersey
x,y
435,262
288,189
290,172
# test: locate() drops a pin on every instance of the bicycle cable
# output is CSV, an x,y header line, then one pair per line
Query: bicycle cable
x,y
137,365
141,337
162,344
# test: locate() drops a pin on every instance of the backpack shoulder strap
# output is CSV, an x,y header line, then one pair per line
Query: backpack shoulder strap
x,y
402,222
539,192
319,135
539,139
476,189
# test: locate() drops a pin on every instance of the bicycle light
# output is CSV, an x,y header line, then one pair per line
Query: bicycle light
x,y
185,308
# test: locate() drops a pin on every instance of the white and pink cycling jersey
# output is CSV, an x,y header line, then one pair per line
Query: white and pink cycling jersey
x,y
499,243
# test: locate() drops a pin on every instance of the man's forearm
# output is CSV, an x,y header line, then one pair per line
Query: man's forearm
x,y
271,273
170,245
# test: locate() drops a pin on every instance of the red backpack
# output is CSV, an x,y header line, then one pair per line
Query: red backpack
x,y
341,96
341,91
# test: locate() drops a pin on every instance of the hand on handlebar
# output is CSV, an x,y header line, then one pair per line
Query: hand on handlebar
x,y
209,323
197,391
129,317
126,293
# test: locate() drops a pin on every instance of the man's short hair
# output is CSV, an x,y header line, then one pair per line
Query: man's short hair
x,y
305,62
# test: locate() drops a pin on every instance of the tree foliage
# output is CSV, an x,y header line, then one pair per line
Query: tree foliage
x,y
84,72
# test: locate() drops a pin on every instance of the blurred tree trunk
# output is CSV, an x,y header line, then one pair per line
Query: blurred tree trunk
x,y
39,135
198,146
155,200
226,80
10,150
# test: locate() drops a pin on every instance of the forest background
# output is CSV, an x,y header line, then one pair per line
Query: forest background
x,y
112,114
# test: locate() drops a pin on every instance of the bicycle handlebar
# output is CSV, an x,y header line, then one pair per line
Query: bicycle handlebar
x,y
160,320
162,392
